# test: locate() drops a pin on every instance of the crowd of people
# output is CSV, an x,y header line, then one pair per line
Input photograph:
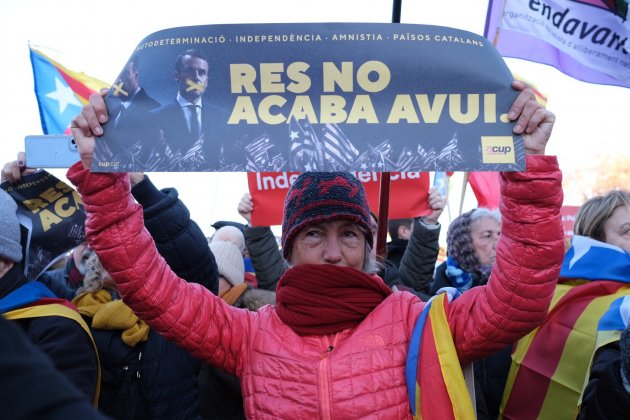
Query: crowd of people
x,y
150,319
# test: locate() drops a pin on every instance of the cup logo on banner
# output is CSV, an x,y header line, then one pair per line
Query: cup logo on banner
x,y
52,214
310,97
408,196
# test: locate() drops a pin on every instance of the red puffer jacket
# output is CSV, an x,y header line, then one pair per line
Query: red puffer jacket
x,y
357,373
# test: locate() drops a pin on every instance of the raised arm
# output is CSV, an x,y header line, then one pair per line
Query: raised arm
x,y
418,261
530,251
186,313
263,249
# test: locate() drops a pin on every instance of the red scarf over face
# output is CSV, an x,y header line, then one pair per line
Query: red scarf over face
x,y
325,299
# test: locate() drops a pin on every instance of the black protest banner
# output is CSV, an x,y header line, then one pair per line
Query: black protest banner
x,y
52,214
311,97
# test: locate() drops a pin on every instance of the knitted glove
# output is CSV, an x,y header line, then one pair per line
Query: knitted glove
x,y
624,345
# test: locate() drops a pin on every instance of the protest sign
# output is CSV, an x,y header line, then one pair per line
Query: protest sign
x,y
311,97
408,194
52,215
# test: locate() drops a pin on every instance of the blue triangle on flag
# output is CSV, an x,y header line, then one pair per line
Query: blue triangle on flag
x,y
57,102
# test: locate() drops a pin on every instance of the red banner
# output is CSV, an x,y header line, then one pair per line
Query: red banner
x,y
568,214
408,194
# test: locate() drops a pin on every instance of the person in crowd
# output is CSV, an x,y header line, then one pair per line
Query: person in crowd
x,y
31,386
607,395
336,342
262,247
550,366
145,375
238,239
471,243
65,281
232,286
219,391
414,275
417,265
221,223
52,324
230,234
62,281
400,232
471,252
13,171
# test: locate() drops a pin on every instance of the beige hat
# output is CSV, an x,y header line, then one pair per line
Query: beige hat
x,y
230,261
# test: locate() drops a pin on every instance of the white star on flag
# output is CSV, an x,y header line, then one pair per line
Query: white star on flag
x,y
582,244
64,96
294,135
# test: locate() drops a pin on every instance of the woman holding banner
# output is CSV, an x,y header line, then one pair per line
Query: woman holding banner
x,y
337,342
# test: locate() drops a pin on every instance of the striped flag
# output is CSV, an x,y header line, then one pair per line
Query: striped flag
x,y
550,365
613,322
60,92
339,151
263,156
307,152
546,380
433,373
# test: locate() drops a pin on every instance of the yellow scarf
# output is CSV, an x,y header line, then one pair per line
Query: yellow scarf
x,y
231,295
108,314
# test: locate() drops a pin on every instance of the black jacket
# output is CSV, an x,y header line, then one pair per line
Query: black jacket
x,y
31,386
418,261
156,379
64,340
395,250
605,396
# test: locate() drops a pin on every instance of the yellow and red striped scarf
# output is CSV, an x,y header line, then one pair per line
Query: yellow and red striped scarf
x,y
435,381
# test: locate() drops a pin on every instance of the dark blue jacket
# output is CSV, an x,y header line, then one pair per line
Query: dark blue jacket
x,y
31,386
156,379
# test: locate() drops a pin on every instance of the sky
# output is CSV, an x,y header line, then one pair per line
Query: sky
x,y
98,38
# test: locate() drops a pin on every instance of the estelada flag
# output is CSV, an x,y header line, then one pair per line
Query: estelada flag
x,y
408,194
60,92
550,366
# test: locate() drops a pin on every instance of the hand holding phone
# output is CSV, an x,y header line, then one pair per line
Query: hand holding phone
x,y
51,151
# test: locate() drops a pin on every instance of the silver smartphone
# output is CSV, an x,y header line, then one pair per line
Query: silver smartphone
x,y
50,151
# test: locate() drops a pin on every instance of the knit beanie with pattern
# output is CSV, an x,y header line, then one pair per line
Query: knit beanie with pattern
x,y
10,236
317,197
229,261
459,244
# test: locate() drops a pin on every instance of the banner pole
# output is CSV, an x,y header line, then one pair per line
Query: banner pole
x,y
383,207
396,11
383,201
461,200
